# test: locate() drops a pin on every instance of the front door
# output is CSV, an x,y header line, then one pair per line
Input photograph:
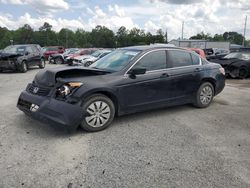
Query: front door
x,y
147,89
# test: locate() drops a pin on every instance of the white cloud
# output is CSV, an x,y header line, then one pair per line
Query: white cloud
x,y
42,7
213,17
35,23
14,2
99,17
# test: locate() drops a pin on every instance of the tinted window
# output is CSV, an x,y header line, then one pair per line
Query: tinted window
x,y
196,59
28,49
153,61
115,61
177,58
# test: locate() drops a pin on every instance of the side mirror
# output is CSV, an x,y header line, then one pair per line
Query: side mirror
x,y
137,71
26,53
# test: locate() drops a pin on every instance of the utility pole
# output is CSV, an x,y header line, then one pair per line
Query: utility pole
x,y
182,30
244,36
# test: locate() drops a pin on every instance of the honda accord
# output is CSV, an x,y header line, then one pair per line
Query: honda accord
x,y
127,80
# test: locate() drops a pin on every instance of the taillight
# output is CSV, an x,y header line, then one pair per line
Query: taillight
x,y
222,71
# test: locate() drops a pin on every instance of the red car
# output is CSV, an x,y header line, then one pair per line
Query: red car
x,y
198,51
53,50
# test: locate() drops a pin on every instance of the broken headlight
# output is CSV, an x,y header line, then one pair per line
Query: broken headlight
x,y
67,89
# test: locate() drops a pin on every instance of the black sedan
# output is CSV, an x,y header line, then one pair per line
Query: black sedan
x,y
236,64
128,80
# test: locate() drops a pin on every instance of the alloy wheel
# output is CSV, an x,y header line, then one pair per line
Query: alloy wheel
x,y
206,95
98,114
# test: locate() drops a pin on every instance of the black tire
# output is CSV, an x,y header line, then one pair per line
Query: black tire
x,y
58,60
23,67
42,63
243,72
88,63
203,99
98,118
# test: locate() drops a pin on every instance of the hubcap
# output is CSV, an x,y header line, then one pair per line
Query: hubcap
x,y
206,95
24,66
99,114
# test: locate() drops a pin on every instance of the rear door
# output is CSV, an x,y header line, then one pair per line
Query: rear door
x,y
184,69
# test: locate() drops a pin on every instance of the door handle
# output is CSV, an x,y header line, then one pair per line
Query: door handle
x,y
197,69
164,75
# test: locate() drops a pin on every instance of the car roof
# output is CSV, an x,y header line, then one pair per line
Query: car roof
x,y
149,47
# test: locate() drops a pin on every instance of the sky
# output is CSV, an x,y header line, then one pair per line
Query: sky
x,y
209,16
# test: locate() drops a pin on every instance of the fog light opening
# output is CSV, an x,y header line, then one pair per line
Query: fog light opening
x,y
34,107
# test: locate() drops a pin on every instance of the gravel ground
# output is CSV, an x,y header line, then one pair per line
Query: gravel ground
x,y
174,147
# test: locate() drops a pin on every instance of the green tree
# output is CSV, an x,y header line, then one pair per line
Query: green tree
x,y
201,36
103,37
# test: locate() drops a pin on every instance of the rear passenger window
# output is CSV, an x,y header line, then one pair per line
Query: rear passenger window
x,y
196,59
177,58
153,61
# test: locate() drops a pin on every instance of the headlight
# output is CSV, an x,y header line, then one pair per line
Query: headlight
x,y
68,88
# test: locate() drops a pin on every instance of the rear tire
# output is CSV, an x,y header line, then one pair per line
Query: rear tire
x,y
204,95
100,112
243,72
23,67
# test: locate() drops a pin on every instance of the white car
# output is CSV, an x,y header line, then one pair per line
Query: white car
x,y
86,60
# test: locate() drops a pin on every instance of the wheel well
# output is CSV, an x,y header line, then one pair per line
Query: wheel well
x,y
210,81
110,96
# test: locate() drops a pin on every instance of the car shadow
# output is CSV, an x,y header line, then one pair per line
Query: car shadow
x,y
36,126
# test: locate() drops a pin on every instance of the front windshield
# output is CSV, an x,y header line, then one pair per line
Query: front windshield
x,y
115,61
96,53
15,49
237,55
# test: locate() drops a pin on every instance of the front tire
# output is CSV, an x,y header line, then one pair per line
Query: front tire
x,y
23,67
204,95
42,64
58,60
100,112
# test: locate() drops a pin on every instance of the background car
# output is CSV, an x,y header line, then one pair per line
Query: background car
x,y
87,60
215,53
60,58
21,57
49,50
80,52
127,80
236,64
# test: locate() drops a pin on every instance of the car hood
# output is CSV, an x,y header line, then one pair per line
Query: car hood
x,y
225,62
50,77
4,56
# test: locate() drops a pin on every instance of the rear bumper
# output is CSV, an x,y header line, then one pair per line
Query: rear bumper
x,y
52,111
220,84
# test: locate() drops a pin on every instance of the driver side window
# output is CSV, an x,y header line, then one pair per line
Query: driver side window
x,y
152,61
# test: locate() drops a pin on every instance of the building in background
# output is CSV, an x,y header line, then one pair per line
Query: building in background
x,y
203,44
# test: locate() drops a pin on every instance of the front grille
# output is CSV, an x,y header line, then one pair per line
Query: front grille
x,y
24,104
38,90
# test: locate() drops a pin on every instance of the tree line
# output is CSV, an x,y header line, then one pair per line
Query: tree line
x,y
100,36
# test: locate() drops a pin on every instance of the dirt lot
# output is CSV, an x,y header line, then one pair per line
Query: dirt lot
x,y
174,147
